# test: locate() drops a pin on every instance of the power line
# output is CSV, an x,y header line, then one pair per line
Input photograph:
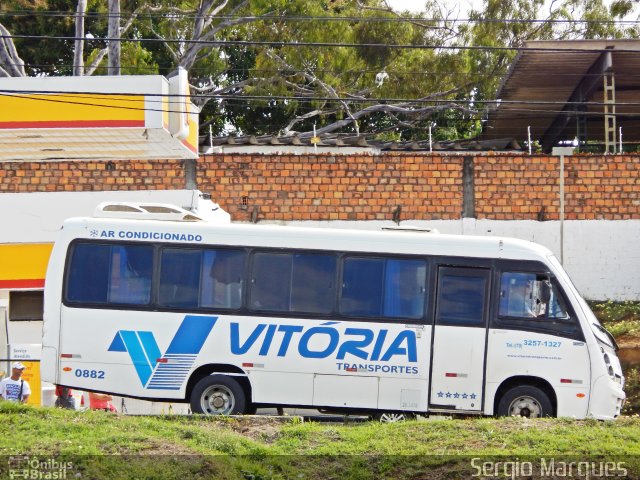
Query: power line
x,y
374,19
274,71
33,95
250,43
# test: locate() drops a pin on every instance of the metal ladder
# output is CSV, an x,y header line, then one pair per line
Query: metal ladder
x,y
609,113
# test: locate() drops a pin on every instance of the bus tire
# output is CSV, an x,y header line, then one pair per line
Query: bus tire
x,y
525,401
218,395
393,417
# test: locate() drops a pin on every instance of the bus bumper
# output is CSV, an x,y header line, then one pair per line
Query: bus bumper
x,y
607,399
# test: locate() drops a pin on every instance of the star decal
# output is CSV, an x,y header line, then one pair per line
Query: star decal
x,y
440,394
448,395
456,395
464,395
473,396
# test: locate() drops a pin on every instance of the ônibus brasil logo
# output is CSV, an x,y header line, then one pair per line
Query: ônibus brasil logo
x,y
177,360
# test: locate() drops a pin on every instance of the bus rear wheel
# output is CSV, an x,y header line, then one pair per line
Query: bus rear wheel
x,y
525,401
218,395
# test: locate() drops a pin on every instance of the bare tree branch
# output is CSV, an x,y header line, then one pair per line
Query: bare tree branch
x,y
114,32
13,64
91,68
324,86
422,112
300,118
78,49
203,30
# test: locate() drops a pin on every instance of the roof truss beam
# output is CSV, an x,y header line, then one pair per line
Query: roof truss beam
x,y
585,90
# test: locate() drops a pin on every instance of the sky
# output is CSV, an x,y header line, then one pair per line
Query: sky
x,y
418,5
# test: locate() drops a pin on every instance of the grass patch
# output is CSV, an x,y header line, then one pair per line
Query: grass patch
x,y
103,445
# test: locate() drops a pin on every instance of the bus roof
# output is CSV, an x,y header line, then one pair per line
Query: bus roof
x,y
312,238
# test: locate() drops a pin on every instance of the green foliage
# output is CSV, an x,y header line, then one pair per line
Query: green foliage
x,y
611,312
632,389
322,72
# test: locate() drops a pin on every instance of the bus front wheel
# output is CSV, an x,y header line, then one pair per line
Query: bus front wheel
x,y
525,401
218,395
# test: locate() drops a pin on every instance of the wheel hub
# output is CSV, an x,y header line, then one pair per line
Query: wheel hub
x,y
217,400
525,407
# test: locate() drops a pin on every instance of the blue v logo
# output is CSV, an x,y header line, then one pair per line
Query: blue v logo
x,y
175,364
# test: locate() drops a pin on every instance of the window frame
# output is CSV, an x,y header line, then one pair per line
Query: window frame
x,y
482,272
248,294
107,304
28,296
542,324
422,319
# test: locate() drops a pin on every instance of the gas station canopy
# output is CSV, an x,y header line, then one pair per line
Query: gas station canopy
x,y
101,117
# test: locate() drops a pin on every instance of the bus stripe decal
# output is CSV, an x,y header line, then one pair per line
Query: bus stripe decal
x,y
137,355
191,334
176,363
150,347
171,375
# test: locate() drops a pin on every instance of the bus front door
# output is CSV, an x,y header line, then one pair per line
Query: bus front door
x,y
459,339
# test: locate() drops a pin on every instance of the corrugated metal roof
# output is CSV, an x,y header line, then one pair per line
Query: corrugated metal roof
x,y
545,75
350,143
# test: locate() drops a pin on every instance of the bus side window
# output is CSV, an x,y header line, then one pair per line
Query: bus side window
x,y
313,280
383,287
288,282
530,295
517,295
88,275
222,275
461,300
404,288
270,282
557,307
179,277
362,287
130,279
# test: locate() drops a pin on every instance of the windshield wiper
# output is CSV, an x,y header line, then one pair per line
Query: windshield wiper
x,y
609,336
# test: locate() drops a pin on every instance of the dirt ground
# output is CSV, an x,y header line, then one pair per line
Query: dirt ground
x,y
629,341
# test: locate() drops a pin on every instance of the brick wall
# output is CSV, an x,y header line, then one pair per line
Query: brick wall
x,y
527,188
364,187
428,187
94,175
332,187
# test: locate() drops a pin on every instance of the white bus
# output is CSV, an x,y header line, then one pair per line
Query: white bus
x,y
231,318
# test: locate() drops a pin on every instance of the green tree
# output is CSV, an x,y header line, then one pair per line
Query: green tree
x,y
280,88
